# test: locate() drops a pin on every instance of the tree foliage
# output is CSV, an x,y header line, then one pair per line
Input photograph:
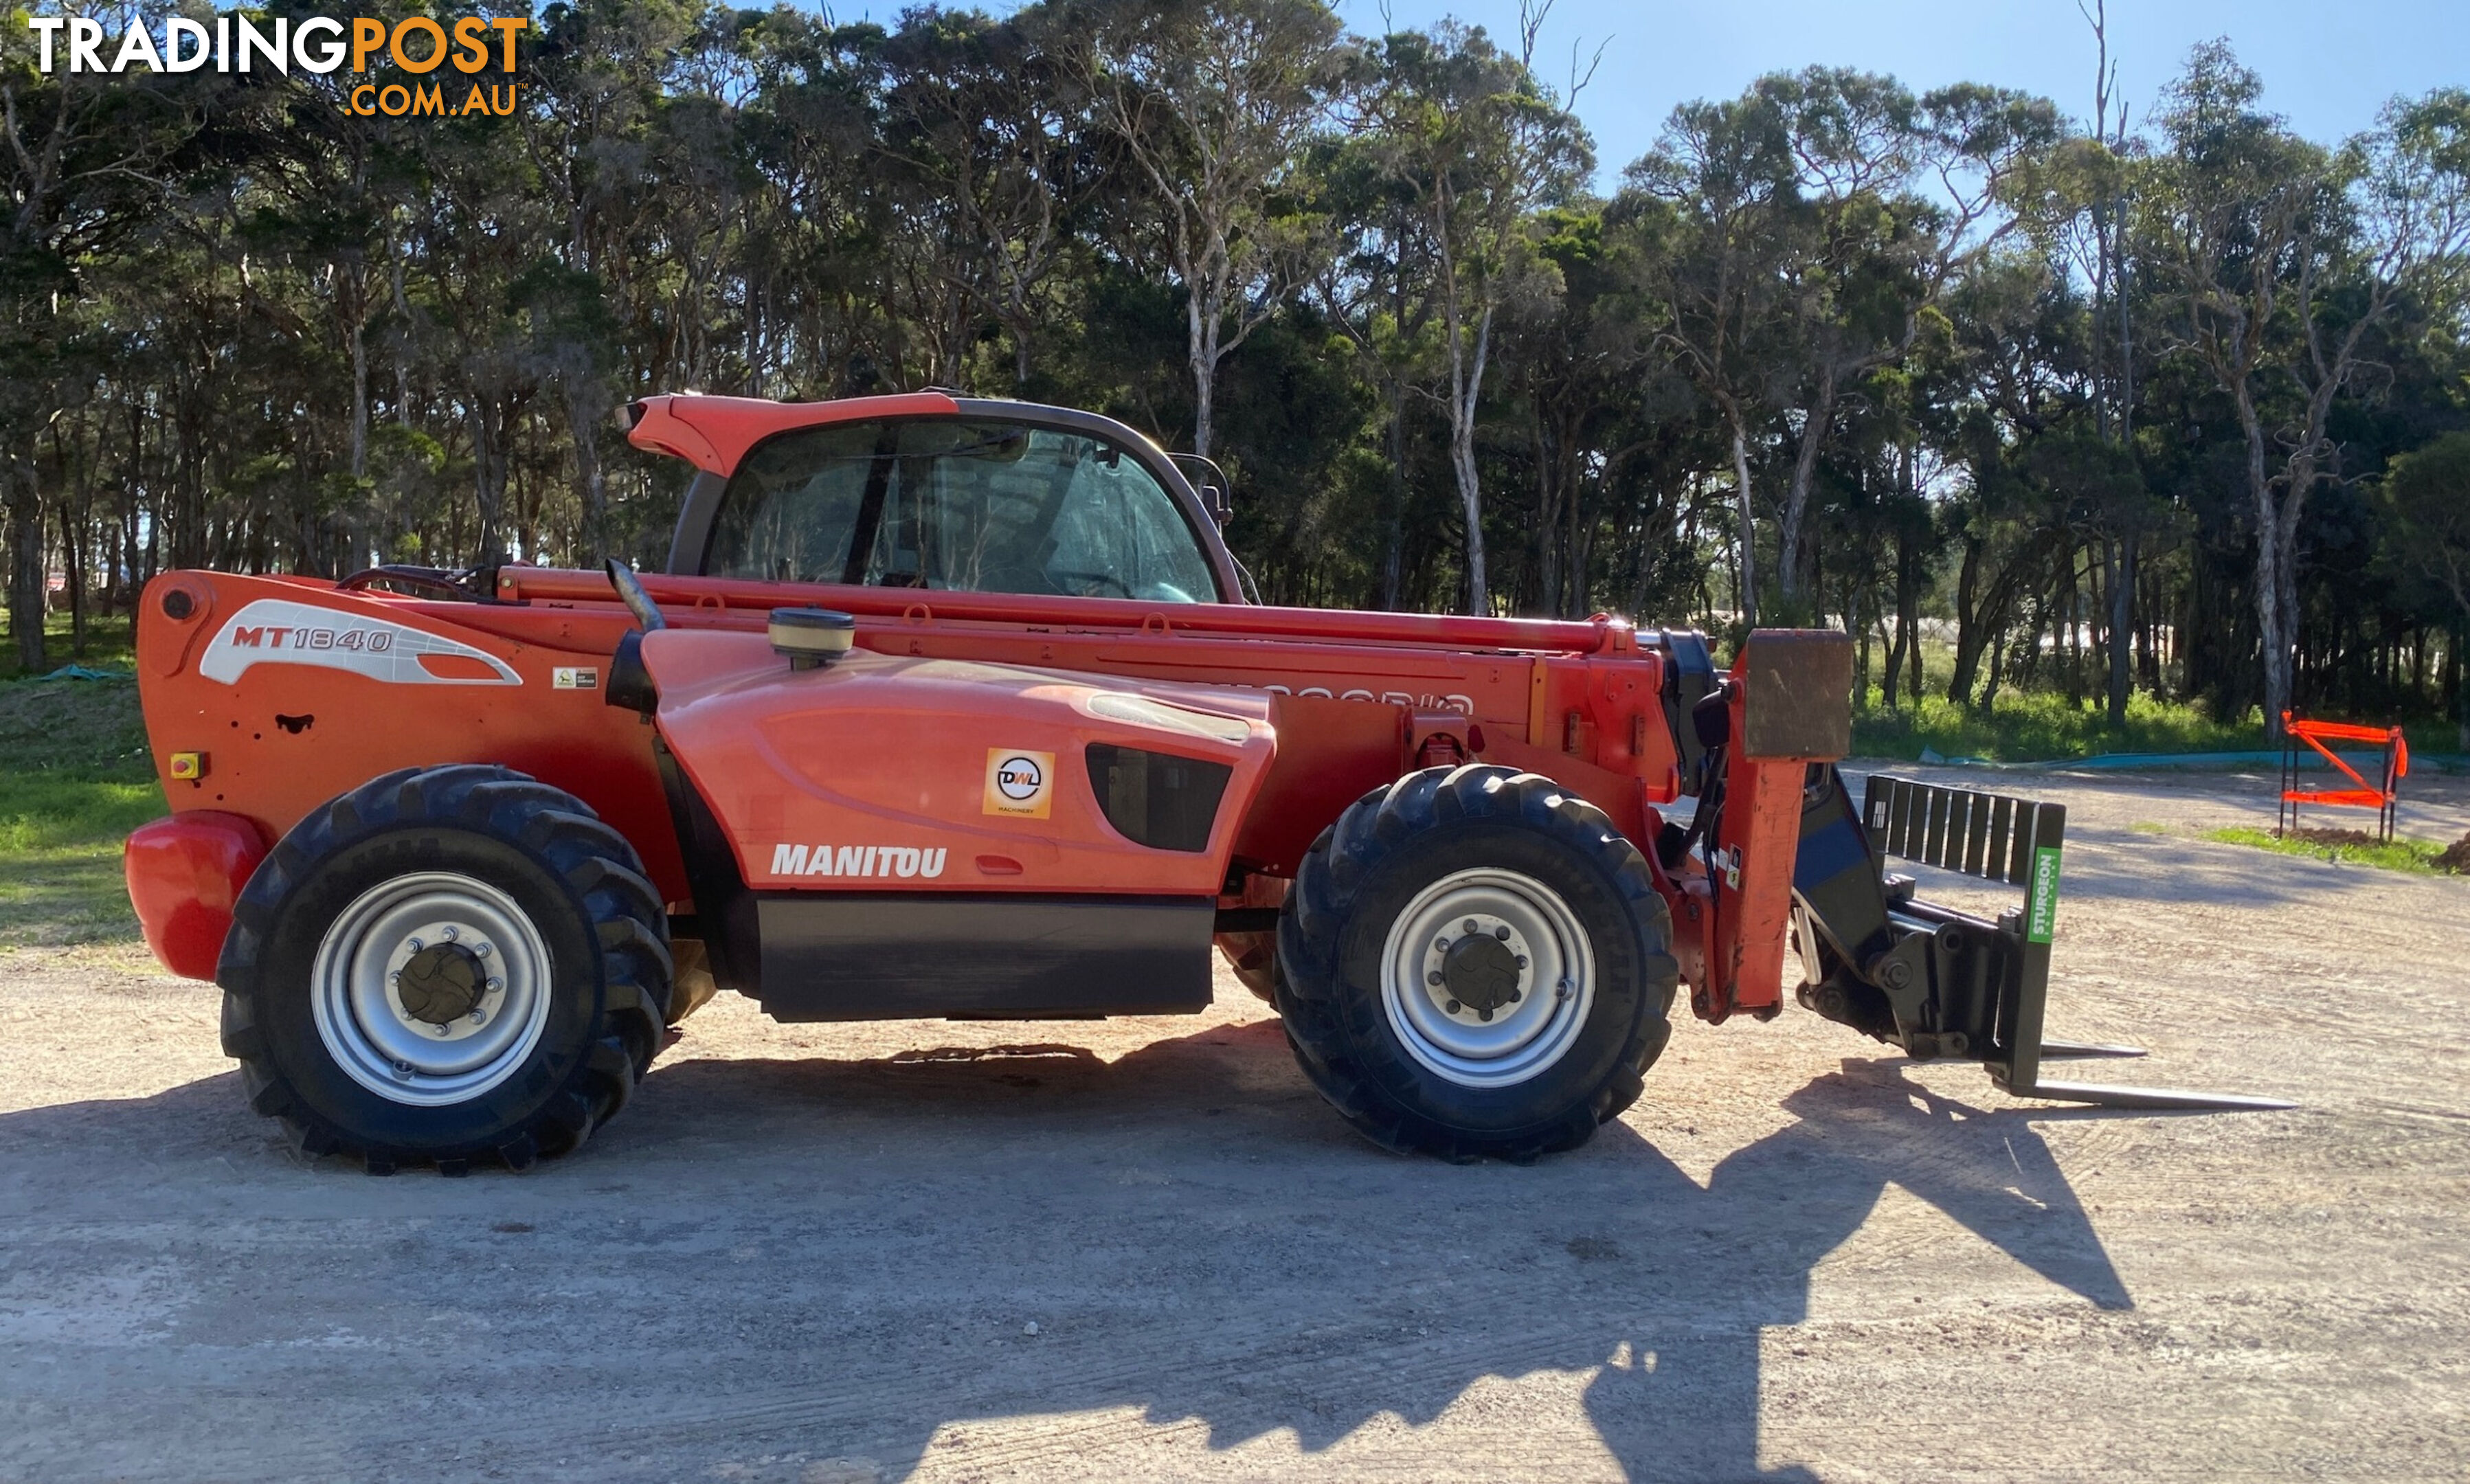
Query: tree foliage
x,y
2089,409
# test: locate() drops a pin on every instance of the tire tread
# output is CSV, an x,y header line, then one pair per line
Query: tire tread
x,y
1324,1021
627,920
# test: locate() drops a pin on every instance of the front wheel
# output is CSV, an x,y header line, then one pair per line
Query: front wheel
x,y
442,965
1476,964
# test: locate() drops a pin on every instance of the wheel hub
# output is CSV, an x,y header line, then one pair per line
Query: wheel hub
x,y
432,989
1481,972
442,984
1487,978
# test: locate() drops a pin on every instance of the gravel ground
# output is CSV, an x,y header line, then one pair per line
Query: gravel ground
x,y
1144,1249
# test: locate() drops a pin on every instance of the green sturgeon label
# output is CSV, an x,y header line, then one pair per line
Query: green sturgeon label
x,y
2041,917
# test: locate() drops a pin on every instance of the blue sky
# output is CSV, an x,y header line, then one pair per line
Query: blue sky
x,y
2327,67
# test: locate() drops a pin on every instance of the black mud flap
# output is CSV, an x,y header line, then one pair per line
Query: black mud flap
x,y
1928,979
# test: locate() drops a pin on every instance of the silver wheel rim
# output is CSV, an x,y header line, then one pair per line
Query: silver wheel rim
x,y
1555,978
403,1056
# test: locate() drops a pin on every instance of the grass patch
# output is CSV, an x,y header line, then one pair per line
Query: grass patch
x,y
2029,727
2347,846
2044,727
75,778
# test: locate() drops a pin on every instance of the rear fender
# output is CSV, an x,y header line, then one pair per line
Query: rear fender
x,y
185,874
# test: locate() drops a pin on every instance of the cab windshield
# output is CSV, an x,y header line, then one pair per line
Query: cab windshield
x,y
965,506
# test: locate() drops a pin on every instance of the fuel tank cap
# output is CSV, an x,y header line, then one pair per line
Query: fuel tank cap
x,y
811,636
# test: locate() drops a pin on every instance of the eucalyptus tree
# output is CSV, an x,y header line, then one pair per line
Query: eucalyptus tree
x,y
1898,196
2282,259
1214,104
986,157
1719,191
1474,145
1369,285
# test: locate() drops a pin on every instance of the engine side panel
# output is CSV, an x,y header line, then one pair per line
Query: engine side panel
x,y
941,775
290,692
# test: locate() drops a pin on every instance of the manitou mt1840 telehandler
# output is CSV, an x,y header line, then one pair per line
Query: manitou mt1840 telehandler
x,y
953,707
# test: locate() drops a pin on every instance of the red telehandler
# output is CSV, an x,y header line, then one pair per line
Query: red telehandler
x,y
954,707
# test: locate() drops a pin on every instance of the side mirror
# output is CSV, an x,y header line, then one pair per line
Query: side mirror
x,y
1208,482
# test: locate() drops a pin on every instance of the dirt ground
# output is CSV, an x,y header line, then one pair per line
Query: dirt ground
x,y
1144,1249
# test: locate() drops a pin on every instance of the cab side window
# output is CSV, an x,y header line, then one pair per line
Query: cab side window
x,y
958,506
791,508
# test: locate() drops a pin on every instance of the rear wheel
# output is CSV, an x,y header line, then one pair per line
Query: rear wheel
x,y
1476,964
446,964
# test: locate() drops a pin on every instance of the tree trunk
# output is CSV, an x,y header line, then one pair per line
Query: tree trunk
x,y
1997,671
590,484
1204,327
2122,624
26,565
488,474
2071,652
359,395
1547,533
1466,384
2270,617
1393,513
1968,627
1578,516
1921,671
1904,635
72,563
1749,583
1795,501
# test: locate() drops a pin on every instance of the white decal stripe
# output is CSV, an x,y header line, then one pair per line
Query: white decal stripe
x,y
276,631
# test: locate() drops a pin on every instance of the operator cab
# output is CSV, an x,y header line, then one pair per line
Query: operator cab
x,y
983,502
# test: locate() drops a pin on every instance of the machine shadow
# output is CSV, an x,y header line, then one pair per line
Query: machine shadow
x,y
1258,1270
1612,1262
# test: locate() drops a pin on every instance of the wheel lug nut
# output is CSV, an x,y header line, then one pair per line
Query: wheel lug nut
x,y
449,935
412,946
480,950
1474,926
480,1017
1483,1014
1502,933
1522,961
1564,989
1513,996
496,985
1434,978
1440,946
1453,1007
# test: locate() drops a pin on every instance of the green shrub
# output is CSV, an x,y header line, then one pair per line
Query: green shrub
x,y
75,778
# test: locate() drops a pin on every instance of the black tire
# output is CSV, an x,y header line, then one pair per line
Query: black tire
x,y
1366,869
576,883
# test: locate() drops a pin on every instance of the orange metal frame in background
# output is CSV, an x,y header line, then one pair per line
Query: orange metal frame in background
x,y
2367,795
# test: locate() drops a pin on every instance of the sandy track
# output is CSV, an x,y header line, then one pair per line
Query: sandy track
x,y
813,1254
